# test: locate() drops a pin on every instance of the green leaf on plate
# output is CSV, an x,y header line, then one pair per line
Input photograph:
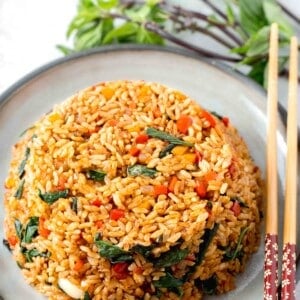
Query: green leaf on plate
x,y
252,16
107,4
124,31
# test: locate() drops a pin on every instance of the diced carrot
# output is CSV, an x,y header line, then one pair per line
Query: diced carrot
x,y
138,270
96,202
120,270
144,91
62,182
116,214
190,257
12,240
107,92
54,117
134,128
179,95
190,157
225,120
156,112
112,122
160,190
232,169
199,156
236,208
142,139
208,117
172,183
78,265
201,188
43,231
183,123
134,151
99,224
179,150
210,175
9,183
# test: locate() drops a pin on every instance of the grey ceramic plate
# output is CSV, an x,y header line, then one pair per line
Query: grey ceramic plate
x,y
215,87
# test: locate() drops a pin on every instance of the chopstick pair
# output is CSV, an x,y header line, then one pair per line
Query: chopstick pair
x,y
288,274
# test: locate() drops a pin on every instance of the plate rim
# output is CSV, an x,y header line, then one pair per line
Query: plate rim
x,y
25,79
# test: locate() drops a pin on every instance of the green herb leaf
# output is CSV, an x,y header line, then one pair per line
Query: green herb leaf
x,y
169,282
170,258
29,254
232,254
139,170
230,15
216,115
95,175
145,251
207,239
166,151
113,253
31,229
208,286
107,4
74,204
51,197
121,33
274,13
19,192
87,296
19,229
162,135
252,16
21,169
64,49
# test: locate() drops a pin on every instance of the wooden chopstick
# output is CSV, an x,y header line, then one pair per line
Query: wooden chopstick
x,y
290,208
271,236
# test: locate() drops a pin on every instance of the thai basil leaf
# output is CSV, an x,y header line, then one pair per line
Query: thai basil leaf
x,y
107,4
207,238
113,253
6,244
138,170
169,282
19,192
74,204
252,16
31,229
167,150
216,115
51,197
274,14
208,286
19,229
87,296
29,254
145,251
231,254
21,169
162,135
122,32
170,258
95,175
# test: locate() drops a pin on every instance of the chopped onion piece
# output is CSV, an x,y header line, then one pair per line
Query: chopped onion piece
x,y
70,289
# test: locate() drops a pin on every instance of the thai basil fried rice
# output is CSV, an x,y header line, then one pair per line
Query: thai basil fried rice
x,y
130,190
